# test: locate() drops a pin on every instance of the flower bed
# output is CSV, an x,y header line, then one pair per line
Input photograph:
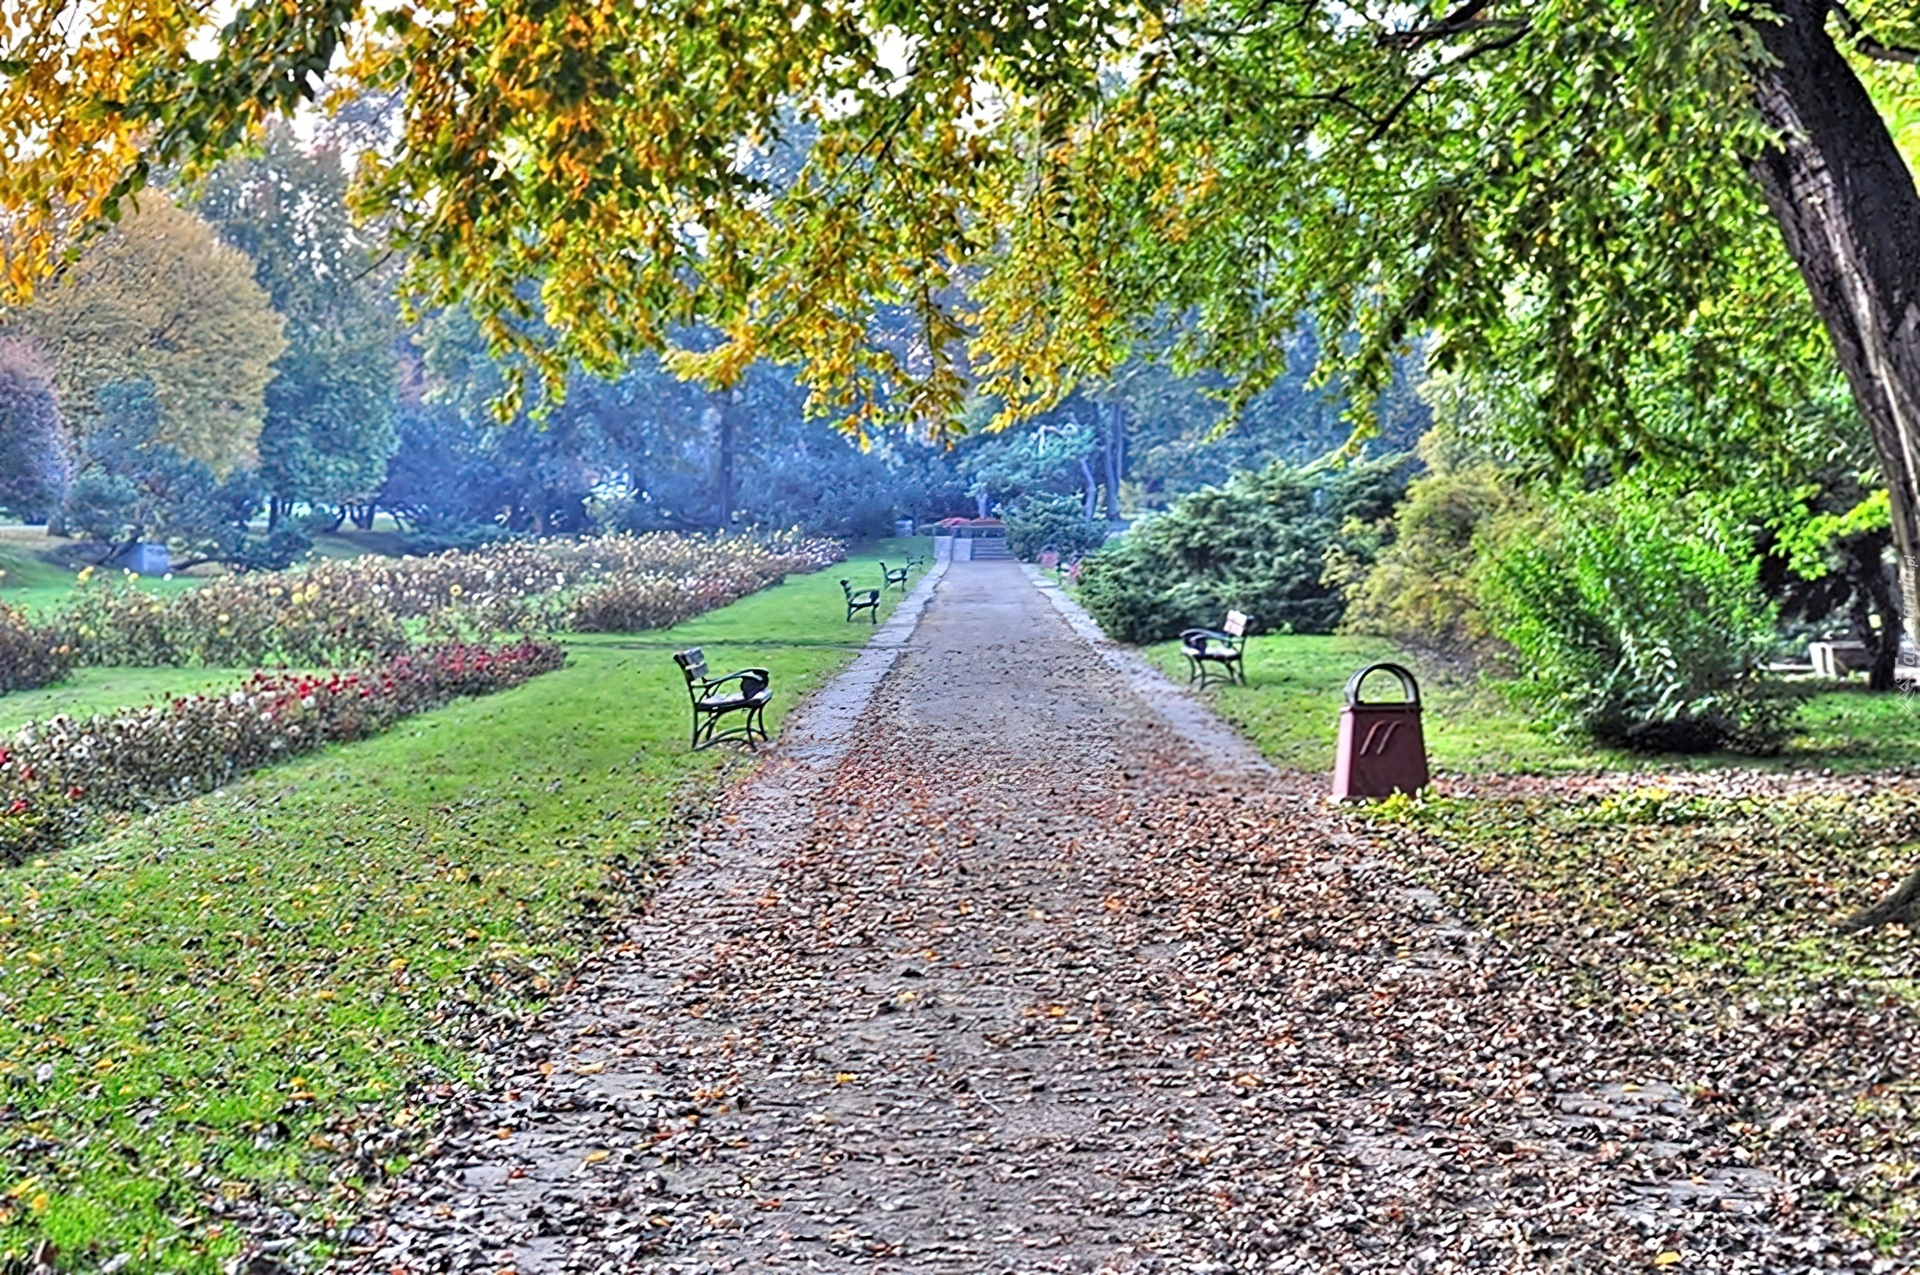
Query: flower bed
x,y
30,655
356,610
56,775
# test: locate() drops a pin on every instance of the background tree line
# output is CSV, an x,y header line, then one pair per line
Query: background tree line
x,y
229,372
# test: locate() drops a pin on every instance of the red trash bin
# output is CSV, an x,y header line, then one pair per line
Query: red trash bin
x,y
1381,750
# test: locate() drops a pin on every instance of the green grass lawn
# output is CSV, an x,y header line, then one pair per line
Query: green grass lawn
x,y
37,586
1290,709
225,1004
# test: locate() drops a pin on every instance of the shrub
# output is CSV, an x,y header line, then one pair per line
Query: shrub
x,y
1639,622
1421,589
30,655
1048,521
634,603
1258,544
57,774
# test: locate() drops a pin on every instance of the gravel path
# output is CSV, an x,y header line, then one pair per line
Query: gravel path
x,y
1012,974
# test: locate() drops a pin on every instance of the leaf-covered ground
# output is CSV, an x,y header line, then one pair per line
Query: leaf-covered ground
x,y
237,1009
1695,913
1023,979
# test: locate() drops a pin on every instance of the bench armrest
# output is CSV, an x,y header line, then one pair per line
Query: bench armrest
x,y
1214,635
708,683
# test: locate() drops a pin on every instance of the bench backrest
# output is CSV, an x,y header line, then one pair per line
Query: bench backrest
x,y
692,662
1237,622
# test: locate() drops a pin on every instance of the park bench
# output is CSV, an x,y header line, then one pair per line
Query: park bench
x,y
916,561
895,579
859,600
711,701
1839,659
1224,647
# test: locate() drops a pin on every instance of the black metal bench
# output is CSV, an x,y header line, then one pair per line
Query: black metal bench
x,y
895,579
711,703
859,600
916,561
1224,647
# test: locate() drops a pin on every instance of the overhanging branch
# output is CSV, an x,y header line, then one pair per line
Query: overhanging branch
x,y
1867,45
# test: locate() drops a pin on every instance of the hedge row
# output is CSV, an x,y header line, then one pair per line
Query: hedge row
x,y
57,775
351,611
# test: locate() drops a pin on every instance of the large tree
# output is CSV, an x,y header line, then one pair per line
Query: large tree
x,y
1033,184
34,464
330,406
162,301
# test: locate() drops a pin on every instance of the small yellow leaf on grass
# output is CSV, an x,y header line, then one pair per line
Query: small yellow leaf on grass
x,y
40,1202
842,1078
1667,1258
595,1157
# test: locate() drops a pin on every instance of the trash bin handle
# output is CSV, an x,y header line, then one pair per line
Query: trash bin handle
x,y
1407,684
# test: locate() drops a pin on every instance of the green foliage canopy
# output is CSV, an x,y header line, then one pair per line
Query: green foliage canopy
x,y
793,170
329,424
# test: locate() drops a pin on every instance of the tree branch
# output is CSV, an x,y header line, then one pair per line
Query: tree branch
x,y
1468,17
1866,45
1413,90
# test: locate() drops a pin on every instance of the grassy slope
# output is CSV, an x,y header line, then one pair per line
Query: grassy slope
x,y
222,1000
87,691
1290,710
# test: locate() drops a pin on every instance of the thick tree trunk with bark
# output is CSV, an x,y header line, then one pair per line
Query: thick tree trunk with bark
x,y
1847,206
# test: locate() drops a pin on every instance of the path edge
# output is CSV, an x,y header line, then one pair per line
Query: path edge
x,y
1188,717
820,729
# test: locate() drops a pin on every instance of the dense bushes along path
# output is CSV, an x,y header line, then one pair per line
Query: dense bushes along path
x,y
1013,979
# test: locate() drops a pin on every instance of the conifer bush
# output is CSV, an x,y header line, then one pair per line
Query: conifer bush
x,y
1259,543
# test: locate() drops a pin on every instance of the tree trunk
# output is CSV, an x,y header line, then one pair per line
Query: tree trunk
x,y
1090,503
1116,457
727,410
1848,209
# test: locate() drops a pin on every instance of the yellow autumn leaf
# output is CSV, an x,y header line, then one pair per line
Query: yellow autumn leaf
x,y
595,1157
1667,1258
